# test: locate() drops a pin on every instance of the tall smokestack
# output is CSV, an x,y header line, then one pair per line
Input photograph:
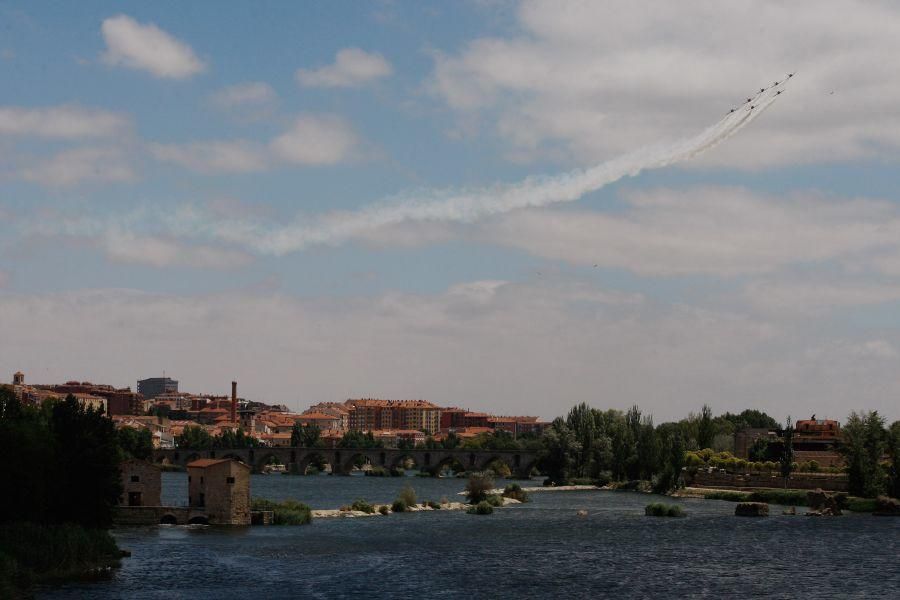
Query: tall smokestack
x,y
234,401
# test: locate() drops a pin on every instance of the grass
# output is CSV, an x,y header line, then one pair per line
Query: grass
x,y
728,496
31,553
658,509
289,512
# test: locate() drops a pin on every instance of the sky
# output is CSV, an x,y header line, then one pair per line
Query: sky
x,y
504,206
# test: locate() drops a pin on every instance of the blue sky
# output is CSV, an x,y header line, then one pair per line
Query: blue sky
x,y
405,199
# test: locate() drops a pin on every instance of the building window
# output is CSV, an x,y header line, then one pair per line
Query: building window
x,y
189,478
135,479
229,480
201,479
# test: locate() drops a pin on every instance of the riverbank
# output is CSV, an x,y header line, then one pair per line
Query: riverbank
x,y
556,488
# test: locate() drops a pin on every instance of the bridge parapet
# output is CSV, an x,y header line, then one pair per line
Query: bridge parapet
x,y
342,460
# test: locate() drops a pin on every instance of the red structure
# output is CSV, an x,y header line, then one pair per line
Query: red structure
x,y
234,401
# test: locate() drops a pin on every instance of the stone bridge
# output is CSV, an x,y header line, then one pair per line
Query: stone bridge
x,y
342,460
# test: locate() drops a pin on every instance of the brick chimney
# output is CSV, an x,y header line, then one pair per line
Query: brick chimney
x,y
234,401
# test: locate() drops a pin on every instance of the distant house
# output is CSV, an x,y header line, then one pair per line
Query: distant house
x,y
141,483
222,488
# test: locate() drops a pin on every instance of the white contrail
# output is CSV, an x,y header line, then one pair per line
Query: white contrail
x,y
467,206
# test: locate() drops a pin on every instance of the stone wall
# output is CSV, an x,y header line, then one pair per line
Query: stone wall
x,y
141,483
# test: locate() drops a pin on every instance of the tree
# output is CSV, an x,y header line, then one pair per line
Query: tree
x,y
135,443
306,436
894,453
85,470
670,475
358,439
478,487
706,431
559,452
194,437
787,452
864,442
450,442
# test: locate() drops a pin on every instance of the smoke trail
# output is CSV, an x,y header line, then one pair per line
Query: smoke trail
x,y
467,206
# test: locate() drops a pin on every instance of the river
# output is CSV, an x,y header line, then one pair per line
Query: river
x,y
536,550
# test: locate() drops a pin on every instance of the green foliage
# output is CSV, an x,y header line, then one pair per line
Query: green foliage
x,y
478,487
135,443
705,429
865,441
407,495
515,491
561,451
235,439
863,505
377,472
362,506
450,442
787,463
194,437
728,496
482,508
77,454
383,509
358,439
306,436
399,506
494,500
434,505
893,451
784,497
33,553
289,512
750,418
658,509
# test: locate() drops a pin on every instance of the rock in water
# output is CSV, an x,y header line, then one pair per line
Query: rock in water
x,y
582,513
751,509
822,503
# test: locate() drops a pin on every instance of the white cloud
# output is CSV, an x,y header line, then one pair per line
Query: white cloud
x,y
316,140
246,102
62,122
162,252
722,231
587,80
147,47
311,140
503,347
794,298
252,94
237,156
82,165
352,67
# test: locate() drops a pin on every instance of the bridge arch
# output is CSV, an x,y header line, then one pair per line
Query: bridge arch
x,y
314,458
168,519
448,460
198,520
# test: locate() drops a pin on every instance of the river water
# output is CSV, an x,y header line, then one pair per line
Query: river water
x,y
536,550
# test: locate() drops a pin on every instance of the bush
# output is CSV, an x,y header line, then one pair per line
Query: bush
x,y
363,506
434,505
658,509
478,488
482,508
407,495
494,500
377,472
31,553
383,509
784,497
289,512
398,506
396,472
515,491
